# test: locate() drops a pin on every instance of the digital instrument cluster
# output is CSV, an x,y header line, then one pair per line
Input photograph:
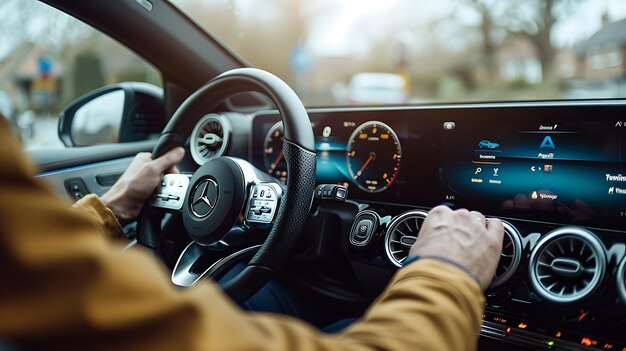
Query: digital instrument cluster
x,y
373,156
365,156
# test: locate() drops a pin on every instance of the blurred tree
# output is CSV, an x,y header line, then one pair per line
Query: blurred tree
x,y
535,20
33,21
264,32
269,43
87,73
487,27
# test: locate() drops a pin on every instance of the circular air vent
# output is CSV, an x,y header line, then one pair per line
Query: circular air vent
x,y
621,280
567,265
402,234
209,138
510,256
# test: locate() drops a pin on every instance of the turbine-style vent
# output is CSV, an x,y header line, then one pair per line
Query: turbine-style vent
x,y
209,138
510,256
621,280
402,234
567,265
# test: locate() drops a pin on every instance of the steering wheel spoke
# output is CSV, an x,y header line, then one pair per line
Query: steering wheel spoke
x,y
196,262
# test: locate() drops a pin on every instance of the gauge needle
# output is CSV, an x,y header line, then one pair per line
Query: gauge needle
x,y
278,158
369,159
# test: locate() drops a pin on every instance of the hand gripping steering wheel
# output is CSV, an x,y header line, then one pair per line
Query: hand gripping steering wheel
x,y
225,191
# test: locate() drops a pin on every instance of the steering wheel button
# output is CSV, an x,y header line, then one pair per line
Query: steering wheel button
x,y
341,193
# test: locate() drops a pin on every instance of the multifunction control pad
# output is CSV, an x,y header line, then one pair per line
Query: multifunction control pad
x,y
263,203
170,194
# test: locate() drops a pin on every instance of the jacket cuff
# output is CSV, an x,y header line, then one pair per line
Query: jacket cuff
x,y
99,213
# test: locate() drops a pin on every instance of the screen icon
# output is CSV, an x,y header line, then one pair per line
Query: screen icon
x,y
326,132
449,125
486,144
547,143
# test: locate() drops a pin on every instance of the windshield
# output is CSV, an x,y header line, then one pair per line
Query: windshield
x,y
373,52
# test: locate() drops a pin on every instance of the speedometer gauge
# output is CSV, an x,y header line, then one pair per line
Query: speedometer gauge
x,y
273,157
373,156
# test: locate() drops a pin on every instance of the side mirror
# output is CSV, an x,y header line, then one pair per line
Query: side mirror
x,y
117,113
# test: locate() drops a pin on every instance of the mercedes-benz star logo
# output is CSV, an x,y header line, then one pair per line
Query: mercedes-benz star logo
x,y
204,198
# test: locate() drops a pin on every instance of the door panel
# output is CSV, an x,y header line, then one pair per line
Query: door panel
x,y
76,172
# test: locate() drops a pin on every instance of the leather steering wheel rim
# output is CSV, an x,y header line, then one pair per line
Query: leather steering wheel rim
x,y
299,154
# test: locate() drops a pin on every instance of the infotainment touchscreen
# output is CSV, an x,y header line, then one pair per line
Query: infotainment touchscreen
x,y
558,163
573,170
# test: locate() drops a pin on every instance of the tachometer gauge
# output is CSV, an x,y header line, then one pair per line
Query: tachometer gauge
x,y
273,153
373,156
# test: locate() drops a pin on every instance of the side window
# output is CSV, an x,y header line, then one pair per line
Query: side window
x,y
47,60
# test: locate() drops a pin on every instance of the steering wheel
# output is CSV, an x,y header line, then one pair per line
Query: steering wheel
x,y
228,191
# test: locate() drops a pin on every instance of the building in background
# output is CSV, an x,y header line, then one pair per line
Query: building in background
x,y
517,60
602,57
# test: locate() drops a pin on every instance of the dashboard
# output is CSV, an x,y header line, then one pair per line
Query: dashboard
x,y
555,173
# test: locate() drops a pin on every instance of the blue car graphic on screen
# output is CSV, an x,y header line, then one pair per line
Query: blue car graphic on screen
x,y
486,144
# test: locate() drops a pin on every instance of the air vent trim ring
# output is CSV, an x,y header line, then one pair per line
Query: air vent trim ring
x,y
515,236
193,143
621,280
594,244
393,226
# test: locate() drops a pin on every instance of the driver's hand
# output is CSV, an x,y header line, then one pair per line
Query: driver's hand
x,y
127,196
464,238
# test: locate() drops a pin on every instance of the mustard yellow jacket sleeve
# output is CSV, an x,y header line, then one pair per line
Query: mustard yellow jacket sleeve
x,y
102,216
62,287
